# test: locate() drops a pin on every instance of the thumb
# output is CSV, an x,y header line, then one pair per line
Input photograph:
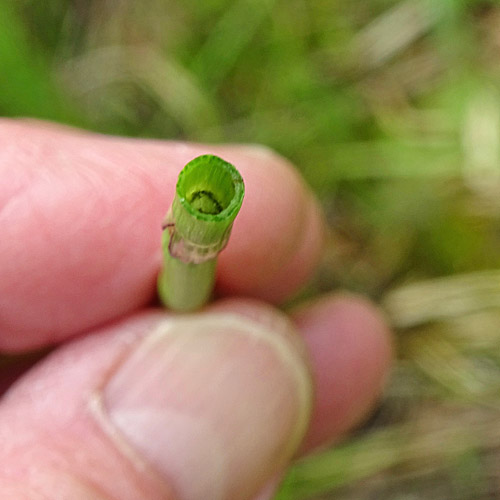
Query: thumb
x,y
210,406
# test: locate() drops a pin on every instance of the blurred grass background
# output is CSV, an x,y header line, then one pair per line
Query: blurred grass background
x,y
391,110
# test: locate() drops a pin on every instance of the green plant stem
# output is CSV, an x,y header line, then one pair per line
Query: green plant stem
x,y
185,286
209,194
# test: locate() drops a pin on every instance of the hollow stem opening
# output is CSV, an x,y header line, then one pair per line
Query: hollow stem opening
x,y
209,194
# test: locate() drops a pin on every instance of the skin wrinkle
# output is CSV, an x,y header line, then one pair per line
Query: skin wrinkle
x,y
38,483
15,192
18,178
55,454
15,209
56,431
35,392
121,171
12,490
68,482
108,271
118,441
50,238
27,195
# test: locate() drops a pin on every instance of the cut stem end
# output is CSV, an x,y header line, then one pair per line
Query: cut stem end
x,y
209,194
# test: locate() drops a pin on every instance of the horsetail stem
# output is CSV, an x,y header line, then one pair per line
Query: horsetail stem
x,y
209,194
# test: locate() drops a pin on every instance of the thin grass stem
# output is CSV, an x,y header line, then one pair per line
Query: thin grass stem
x,y
208,197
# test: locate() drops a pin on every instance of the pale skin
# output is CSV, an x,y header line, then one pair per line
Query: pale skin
x,y
236,392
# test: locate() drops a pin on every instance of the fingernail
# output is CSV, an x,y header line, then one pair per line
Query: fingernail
x,y
215,403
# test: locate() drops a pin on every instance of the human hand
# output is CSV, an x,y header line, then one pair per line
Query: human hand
x,y
138,403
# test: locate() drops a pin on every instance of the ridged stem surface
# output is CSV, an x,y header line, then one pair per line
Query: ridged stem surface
x,y
209,194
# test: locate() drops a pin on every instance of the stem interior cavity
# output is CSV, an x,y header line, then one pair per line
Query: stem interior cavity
x,y
209,186
205,202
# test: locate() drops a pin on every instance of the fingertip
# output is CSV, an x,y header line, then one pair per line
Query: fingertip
x,y
303,261
351,350
238,420
82,215
348,349
278,236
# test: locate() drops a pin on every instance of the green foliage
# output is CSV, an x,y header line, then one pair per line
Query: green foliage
x,y
27,83
391,110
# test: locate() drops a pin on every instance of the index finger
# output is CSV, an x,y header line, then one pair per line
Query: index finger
x,y
80,226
